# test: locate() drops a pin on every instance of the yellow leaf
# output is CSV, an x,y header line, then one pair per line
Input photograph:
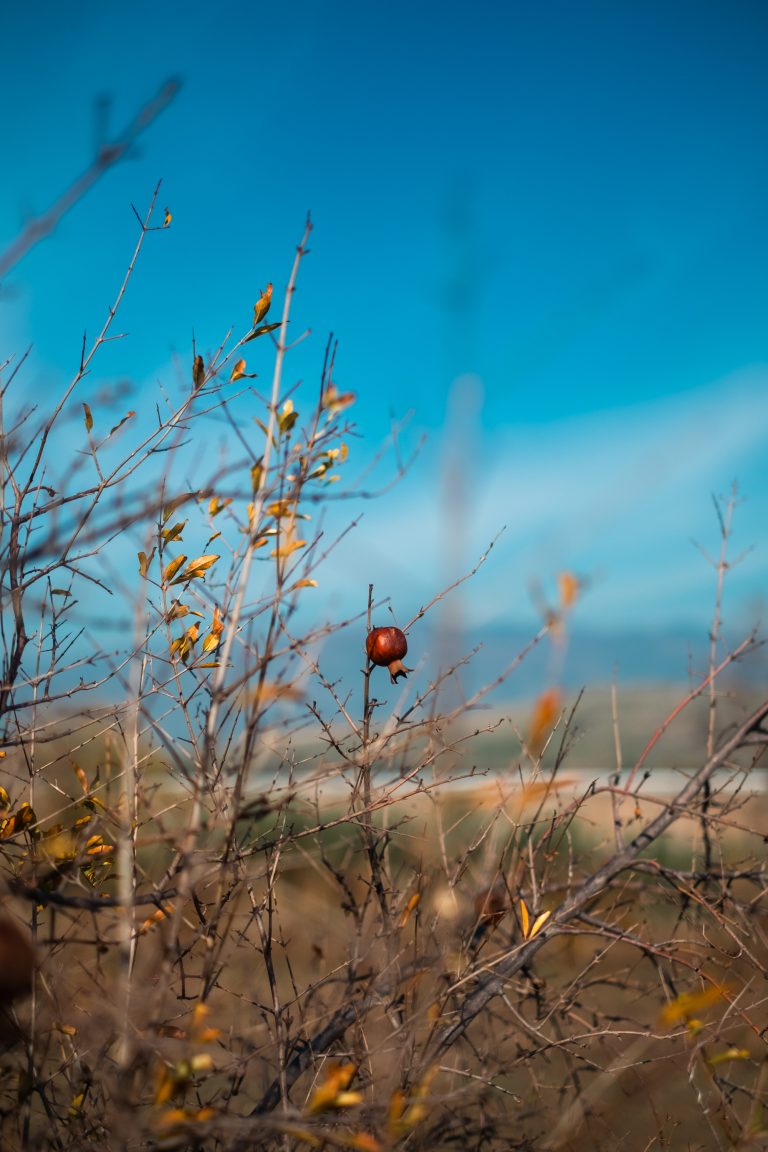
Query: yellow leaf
x,y
539,923
82,779
178,610
88,418
256,476
730,1054
217,505
262,305
688,1004
417,1110
303,584
348,1099
413,1116
101,849
60,844
182,645
280,508
201,1061
76,1106
196,569
396,1110
200,1014
5,800
287,417
174,533
287,548
25,817
144,562
213,638
198,372
168,217
173,567
238,370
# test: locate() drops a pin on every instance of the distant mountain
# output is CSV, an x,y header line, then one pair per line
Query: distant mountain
x,y
587,658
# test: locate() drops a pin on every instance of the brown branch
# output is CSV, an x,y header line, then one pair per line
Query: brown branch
x,y
492,982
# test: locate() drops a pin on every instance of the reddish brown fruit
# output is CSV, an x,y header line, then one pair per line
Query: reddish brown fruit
x,y
386,647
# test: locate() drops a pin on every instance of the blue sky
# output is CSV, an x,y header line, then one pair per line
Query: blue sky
x,y
540,227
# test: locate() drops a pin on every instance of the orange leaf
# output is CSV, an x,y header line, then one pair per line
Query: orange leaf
x,y
412,903
364,1142
88,418
157,916
525,920
332,1091
335,401
569,586
545,713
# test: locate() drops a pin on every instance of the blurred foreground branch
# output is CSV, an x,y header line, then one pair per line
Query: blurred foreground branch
x,y
106,157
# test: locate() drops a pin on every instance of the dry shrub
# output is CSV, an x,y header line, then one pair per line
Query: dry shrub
x,y
265,909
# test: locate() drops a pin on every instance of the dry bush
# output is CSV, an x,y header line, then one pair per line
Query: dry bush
x,y
270,910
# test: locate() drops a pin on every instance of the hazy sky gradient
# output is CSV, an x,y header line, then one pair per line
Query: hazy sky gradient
x,y
562,203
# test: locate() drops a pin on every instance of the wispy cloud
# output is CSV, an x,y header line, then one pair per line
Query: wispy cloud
x,y
619,496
